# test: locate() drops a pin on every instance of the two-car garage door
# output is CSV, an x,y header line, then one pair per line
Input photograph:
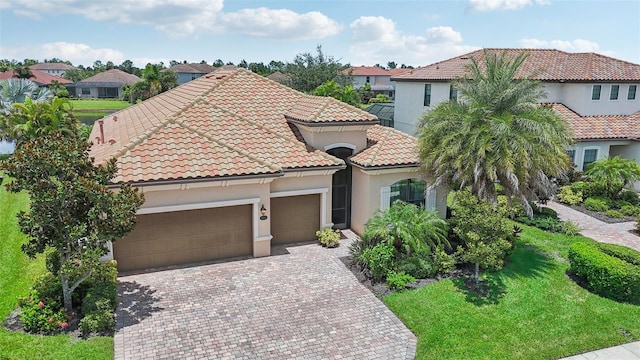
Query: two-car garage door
x,y
183,237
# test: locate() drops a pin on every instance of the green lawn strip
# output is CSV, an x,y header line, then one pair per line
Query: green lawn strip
x,y
106,105
536,313
17,273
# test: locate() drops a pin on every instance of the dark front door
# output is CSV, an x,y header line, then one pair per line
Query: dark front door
x,y
341,191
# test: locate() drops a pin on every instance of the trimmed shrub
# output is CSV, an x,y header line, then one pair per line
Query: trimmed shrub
x,y
606,275
101,296
621,252
98,322
399,280
630,210
630,196
379,260
614,214
39,316
568,196
328,237
419,265
596,204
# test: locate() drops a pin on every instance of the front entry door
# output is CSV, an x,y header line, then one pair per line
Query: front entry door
x,y
341,191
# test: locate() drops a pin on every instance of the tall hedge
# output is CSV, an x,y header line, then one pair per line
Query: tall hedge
x,y
607,274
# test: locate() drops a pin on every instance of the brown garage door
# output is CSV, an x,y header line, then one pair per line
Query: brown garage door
x,y
294,218
183,237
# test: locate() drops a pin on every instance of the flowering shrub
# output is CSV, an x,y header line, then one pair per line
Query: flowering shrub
x,y
328,237
39,316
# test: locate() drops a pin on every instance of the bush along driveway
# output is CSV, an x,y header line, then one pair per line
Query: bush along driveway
x,y
304,305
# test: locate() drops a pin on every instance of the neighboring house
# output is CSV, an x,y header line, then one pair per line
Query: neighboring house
x,y
188,72
41,79
378,78
55,69
105,85
596,94
279,77
232,163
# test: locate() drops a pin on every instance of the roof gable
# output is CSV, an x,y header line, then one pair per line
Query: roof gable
x,y
39,77
51,66
600,126
366,71
115,76
318,109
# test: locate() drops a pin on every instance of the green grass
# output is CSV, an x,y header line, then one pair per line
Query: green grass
x,y
17,273
111,105
534,311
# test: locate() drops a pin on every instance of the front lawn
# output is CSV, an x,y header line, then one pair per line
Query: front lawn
x,y
535,311
17,273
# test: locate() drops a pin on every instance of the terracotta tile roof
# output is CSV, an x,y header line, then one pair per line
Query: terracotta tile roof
x,y
366,71
40,77
318,109
387,147
112,76
227,123
51,66
541,64
398,71
279,77
196,68
601,126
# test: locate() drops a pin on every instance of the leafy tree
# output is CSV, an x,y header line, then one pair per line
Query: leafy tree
x,y
154,81
110,65
18,90
243,64
76,75
497,133
127,66
308,71
613,174
408,228
485,234
218,63
58,89
98,66
391,65
23,72
365,93
343,93
276,66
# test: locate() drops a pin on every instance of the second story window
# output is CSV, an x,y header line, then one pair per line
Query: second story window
x,y
427,94
615,89
453,93
595,93
632,92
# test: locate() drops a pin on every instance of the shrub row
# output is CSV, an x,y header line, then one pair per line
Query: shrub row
x,y
607,271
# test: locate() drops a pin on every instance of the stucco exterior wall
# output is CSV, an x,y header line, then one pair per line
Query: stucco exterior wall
x,y
409,103
367,193
327,137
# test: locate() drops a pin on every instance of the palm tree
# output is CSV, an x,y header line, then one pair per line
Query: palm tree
x,y
614,174
497,133
32,119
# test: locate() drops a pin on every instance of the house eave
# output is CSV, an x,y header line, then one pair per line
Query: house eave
x,y
198,180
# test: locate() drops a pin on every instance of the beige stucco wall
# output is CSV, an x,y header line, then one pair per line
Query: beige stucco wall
x,y
366,193
327,137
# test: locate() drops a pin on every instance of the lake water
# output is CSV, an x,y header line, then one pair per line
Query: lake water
x,y
6,147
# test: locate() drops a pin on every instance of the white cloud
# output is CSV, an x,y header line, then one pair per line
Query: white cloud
x,y
78,54
493,5
578,45
282,23
377,40
179,18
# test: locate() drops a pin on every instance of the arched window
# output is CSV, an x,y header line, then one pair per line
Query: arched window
x,y
408,190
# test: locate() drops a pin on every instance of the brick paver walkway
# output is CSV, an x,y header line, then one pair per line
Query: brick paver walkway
x,y
302,305
598,230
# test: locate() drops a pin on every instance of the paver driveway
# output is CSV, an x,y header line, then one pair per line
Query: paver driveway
x,y
303,305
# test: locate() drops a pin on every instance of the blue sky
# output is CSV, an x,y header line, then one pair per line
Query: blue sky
x,y
358,32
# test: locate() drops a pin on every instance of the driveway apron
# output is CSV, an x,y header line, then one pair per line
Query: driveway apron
x,y
301,305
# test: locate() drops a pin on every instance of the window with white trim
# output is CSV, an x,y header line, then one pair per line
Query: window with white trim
x,y
408,190
590,155
631,95
615,89
427,95
595,92
453,93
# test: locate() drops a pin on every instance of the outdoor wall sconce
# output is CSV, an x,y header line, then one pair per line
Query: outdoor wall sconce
x,y
263,211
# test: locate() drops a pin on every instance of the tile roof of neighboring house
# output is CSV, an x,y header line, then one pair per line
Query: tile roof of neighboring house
x,y
541,64
229,123
112,76
387,147
51,66
279,77
397,71
600,126
195,68
366,71
40,77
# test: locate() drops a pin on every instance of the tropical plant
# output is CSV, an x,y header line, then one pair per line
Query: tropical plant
x,y
613,174
498,133
71,210
328,237
343,93
32,119
154,81
308,71
407,228
18,90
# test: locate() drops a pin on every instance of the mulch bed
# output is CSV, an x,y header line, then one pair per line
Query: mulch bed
x,y
600,216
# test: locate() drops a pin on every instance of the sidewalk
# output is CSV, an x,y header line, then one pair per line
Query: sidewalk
x,y
609,233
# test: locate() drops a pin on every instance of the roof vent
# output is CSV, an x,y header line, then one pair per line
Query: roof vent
x,y
464,58
220,77
112,141
437,67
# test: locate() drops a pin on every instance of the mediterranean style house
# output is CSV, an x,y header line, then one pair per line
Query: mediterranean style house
x,y
378,78
597,95
188,72
232,163
105,85
55,68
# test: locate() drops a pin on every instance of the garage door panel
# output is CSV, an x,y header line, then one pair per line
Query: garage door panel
x,y
185,237
295,218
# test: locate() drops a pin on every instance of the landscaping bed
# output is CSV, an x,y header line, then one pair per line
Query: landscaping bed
x,y
600,216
